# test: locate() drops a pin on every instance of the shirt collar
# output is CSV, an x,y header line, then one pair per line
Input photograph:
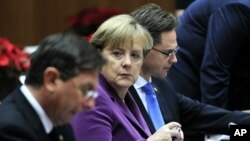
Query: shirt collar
x,y
140,82
47,123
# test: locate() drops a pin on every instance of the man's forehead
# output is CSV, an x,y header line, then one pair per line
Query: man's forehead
x,y
167,45
87,78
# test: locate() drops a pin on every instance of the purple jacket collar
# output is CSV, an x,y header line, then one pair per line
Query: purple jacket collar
x,y
130,109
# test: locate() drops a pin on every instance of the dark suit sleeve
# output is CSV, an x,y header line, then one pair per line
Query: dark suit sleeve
x,y
14,132
13,126
196,116
225,35
207,118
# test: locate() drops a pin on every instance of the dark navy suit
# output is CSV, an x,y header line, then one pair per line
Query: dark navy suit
x,y
20,122
193,115
214,57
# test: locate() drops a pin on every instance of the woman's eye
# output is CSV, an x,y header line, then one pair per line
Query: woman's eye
x,y
136,55
117,53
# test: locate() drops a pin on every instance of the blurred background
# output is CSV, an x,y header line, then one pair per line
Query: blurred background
x,y
26,22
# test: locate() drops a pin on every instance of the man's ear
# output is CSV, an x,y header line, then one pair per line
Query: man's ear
x,y
50,76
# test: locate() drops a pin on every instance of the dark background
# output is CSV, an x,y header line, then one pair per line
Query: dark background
x,y
26,22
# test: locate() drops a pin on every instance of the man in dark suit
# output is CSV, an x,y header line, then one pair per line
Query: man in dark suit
x,y
193,115
213,61
60,82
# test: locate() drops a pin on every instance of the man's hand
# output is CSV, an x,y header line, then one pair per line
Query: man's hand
x,y
167,132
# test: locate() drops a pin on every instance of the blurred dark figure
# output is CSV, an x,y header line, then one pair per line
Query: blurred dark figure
x,y
214,57
181,5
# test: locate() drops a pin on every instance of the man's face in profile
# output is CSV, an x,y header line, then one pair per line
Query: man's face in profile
x,y
74,95
162,56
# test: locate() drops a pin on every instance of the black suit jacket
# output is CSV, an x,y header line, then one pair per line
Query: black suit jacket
x,y
19,121
193,115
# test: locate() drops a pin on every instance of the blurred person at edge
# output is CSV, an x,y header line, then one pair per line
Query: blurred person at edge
x,y
181,5
213,61
60,82
116,117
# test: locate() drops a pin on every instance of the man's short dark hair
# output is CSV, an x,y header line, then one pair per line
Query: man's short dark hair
x,y
156,20
68,53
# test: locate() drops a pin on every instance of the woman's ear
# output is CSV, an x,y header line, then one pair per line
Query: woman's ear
x,y
50,77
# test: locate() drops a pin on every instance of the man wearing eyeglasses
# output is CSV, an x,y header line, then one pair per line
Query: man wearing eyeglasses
x,y
172,106
60,82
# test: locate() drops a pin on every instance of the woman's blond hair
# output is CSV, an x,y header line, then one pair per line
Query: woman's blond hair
x,y
119,29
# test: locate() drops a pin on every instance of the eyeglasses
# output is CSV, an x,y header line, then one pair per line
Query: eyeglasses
x,y
91,94
168,53
88,91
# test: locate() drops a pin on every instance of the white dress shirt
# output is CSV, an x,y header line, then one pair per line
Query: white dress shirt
x,y
47,123
140,82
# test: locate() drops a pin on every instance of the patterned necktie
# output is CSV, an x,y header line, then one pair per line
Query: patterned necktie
x,y
153,106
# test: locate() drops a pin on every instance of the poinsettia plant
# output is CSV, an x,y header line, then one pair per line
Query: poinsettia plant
x,y
88,20
13,61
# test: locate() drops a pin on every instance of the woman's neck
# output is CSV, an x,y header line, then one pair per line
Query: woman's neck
x,y
121,92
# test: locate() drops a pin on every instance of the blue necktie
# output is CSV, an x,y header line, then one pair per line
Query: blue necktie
x,y
153,106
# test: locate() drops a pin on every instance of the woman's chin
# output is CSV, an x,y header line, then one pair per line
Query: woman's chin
x,y
125,84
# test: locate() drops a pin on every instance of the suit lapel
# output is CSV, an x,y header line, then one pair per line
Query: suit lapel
x,y
121,107
136,112
31,116
166,113
162,100
142,109
64,131
131,117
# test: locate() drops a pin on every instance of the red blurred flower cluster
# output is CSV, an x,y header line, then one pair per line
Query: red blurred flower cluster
x,y
13,61
88,20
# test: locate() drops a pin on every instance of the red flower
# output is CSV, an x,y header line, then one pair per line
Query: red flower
x,y
13,61
88,20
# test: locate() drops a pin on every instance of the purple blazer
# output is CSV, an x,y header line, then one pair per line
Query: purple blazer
x,y
111,119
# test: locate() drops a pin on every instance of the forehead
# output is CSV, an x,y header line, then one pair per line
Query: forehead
x,y
168,40
128,44
87,76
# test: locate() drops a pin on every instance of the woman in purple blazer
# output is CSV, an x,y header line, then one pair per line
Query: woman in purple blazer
x,y
116,117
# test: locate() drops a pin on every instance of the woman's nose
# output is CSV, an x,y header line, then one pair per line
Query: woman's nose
x,y
127,60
